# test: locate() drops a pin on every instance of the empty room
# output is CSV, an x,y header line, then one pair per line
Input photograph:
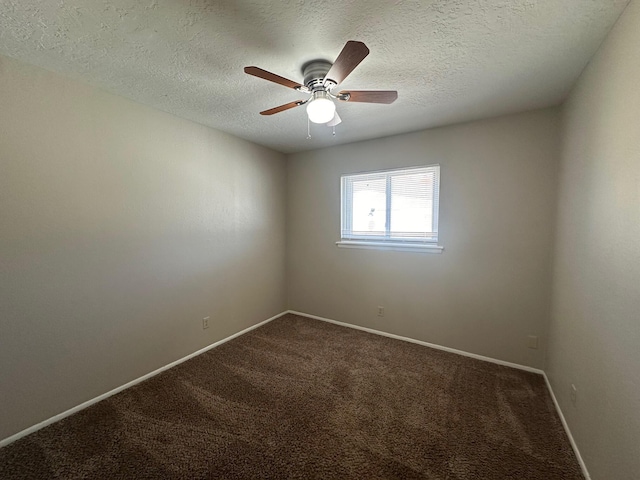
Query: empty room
x,y
320,239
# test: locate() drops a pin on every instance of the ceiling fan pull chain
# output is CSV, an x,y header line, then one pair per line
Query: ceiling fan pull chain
x,y
334,130
308,129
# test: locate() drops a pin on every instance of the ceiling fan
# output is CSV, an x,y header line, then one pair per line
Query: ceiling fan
x,y
320,78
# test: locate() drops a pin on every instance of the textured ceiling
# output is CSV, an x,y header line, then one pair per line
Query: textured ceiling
x,y
450,60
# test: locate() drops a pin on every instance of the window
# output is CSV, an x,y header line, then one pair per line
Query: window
x,y
395,209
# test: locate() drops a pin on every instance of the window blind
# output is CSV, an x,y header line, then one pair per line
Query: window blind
x,y
394,205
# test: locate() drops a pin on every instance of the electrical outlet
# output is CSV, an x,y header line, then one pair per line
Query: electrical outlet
x,y
532,342
205,323
381,311
574,394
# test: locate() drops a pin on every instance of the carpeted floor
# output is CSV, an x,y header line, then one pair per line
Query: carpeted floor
x,y
300,398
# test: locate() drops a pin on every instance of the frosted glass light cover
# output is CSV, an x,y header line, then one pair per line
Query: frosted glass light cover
x,y
321,110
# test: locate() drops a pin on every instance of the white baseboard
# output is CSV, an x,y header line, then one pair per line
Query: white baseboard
x,y
426,344
88,403
82,406
583,466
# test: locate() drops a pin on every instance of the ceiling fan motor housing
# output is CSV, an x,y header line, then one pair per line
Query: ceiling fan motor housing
x,y
314,73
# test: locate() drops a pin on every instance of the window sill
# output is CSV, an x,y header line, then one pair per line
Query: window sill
x,y
402,247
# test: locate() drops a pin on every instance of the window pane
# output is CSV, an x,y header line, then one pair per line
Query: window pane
x,y
412,205
369,211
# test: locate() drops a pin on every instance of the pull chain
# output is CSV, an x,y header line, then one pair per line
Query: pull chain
x,y
308,129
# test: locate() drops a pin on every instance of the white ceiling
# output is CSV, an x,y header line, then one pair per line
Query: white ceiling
x,y
450,60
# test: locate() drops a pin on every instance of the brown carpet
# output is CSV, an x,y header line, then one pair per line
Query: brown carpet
x,y
301,398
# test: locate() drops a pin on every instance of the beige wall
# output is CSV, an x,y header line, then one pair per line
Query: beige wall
x,y
491,286
121,227
595,327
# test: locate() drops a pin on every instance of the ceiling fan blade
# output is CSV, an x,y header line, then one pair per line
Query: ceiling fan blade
x,y
282,108
350,57
272,77
336,120
368,96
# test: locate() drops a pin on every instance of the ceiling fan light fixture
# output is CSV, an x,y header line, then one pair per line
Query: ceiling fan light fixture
x,y
321,109
320,78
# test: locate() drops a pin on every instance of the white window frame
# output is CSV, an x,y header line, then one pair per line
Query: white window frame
x,y
387,242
